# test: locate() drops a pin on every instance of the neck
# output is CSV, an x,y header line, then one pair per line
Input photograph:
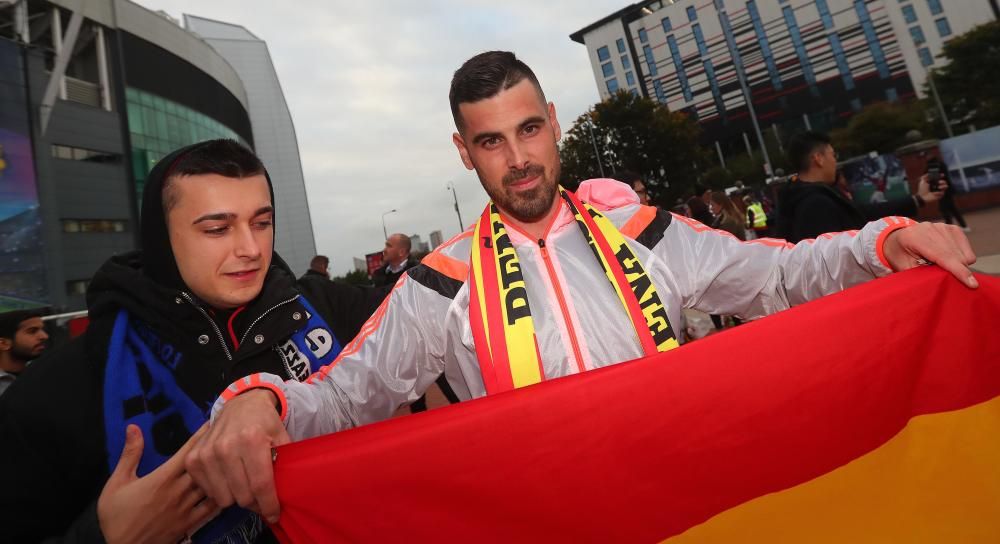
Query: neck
x,y
10,364
395,264
538,228
814,176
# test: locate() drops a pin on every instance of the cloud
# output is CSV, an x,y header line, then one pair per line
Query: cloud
x,y
367,86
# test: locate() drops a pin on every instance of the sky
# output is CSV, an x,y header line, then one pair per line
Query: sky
x,y
367,86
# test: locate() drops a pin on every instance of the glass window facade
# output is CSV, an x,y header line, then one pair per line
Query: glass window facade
x,y
944,29
872,38
699,38
603,54
612,85
800,48
891,95
692,13
650,61
841,59
608,69
934,6
658,89
629,78
675,54
626,62
159,126
909,14
643,38
926,58
824,14
620,44
667,27
917,34
765,47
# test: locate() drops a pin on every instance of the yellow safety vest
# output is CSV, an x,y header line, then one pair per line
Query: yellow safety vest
x,y
759,217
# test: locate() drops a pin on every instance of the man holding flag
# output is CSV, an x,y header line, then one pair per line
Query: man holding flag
x,y
547,284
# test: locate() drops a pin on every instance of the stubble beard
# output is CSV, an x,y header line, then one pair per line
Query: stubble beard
x,y
531,205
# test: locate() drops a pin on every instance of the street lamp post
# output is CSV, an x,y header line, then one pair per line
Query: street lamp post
x,y
384,231
597,154
461,224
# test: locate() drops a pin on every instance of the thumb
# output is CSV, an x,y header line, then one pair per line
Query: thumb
x,y
131,454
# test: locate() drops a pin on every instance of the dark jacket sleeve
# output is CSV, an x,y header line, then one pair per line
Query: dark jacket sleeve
x,y
344,307
816,215
904,206
52,451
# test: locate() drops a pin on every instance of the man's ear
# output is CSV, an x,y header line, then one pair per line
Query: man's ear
x,y
554,121
6,344
463,151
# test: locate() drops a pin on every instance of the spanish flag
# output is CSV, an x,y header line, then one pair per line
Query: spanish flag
x,y
872,415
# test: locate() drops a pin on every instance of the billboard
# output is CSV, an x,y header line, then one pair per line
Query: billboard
x,y
973,160
22,265
875,178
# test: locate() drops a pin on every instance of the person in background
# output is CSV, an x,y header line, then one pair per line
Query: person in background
x,y
22,338
946,205
319,267
633,179
396,259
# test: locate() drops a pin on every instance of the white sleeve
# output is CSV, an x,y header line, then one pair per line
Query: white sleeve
x,y
717,273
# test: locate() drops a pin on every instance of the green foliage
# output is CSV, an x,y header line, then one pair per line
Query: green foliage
x,y
880,127
637,134
968,83
353,277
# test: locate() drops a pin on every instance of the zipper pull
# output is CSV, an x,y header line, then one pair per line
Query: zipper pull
x,y
543,249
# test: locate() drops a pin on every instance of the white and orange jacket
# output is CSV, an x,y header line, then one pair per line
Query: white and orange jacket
x,y
422,329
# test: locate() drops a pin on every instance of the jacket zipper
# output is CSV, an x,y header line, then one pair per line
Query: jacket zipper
x,y
215,327
554,280
261,316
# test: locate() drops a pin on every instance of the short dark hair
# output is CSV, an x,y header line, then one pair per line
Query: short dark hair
x,y
802,146
484,76
626,176
11,321
319,260
224,157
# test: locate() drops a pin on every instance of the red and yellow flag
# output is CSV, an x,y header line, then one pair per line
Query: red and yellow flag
x,y
872,415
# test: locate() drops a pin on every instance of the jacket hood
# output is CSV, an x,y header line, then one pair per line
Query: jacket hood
x,y
157,259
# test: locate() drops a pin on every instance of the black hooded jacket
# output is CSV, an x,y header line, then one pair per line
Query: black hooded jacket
x,y
808,209
52,433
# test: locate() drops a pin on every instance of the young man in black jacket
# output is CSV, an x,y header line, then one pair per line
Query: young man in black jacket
x,y
90,431
810,205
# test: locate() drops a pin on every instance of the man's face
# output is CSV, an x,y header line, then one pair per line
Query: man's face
x,y
510,140
394,252
826,161
29,340
640,189
222,233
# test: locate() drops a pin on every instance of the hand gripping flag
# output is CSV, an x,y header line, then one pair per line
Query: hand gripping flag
x,y
872,415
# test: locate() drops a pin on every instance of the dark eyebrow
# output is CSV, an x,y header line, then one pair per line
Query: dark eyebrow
x,y
215,217
529,121
229,216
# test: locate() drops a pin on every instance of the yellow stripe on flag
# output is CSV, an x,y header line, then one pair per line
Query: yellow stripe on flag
x,y
937,480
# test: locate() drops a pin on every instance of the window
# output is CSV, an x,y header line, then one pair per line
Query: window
x,y
841,59
642,35
603,54
80,154
909,14
872,38
94,225
891,95
917,34
765,47
667,27
925,56
626,62
629,78
824,14
692,13
650,61
608,69
935,6
679,67
800,49
620,43
612,85
944,29
658,89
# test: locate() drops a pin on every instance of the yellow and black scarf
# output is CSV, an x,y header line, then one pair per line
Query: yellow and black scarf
x,y
502,326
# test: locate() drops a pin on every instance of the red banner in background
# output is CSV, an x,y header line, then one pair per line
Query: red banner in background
x,y
869,415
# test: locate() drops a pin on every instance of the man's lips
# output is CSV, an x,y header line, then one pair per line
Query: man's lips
x,y
243,274
525,183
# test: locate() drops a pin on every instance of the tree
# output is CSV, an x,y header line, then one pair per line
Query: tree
x,y
968,84
880,127
637,134
353,277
